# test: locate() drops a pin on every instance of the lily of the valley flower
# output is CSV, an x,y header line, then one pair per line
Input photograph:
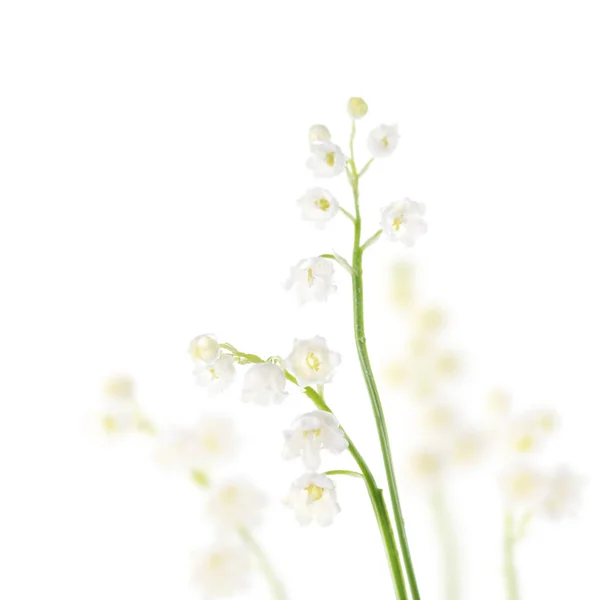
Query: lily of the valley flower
x,y
199,448
264,384
237,504
523,487
205,349
313,497
312,362
312,279
383,140
120,410
310,433
326,160
217,376
223,571
563,491
357,108
319,206
403,221
318,133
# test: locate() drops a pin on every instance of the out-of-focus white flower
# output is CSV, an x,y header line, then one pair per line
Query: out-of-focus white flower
x,y
522,487
498,404
237,504
309,434
313,279
318,133
120,412
383,140
439,421
217,376
528,432
313,497
211,442
222,572
326,159
563,494
264,384
205,349
312,362
319,206
357,108
403,221
467,448
425,466
546,421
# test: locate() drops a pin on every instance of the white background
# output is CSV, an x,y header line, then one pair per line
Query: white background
x,y
150,156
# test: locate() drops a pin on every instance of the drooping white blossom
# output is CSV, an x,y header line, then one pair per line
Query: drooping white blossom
x,y
198,449
120,412
217,376
309,434
312,362
205,349
326,159
237,504
312,279
357,108
523,487
425,466
319,206
223,571
318,133
383,140
403,221
563,493
264,384
313,498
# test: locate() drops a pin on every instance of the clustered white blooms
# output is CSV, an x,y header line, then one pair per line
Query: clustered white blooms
x,y
121,412
213,369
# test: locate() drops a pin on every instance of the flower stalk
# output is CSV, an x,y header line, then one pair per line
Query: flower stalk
x,y
510,569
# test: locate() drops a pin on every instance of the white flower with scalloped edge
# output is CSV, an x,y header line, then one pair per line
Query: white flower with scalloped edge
x,y
403,221
313,498
237,504
309,434
199,448
223,571
319,206
215,377
312,279
383,140
312,362
326,159
264,384
205,349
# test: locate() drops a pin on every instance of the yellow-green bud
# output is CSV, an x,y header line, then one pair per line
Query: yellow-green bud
x,y
319,133
357,108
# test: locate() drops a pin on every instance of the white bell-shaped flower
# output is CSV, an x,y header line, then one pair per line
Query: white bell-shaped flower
x,y
312,279
313,498
319,206
318,133
309,434
223,571
403,221
383,140
205,349
326,159
523,487
217,376
237,504
312,362
264,384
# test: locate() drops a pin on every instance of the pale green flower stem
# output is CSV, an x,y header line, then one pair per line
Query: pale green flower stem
x,y
447,539
361,347
510,569
375,493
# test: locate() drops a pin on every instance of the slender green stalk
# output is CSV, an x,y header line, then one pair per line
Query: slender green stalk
x,y
510,569
363,355
448,544
277,589
345,472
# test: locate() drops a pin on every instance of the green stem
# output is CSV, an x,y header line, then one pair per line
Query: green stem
x,y
447,543
277,589
344,472
510,569
363,355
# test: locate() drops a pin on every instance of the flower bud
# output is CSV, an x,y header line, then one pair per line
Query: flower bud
x,y
357,108
319,133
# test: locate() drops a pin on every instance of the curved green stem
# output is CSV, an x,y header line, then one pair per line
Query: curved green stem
x,y
277,589
345,472
448,544
510,569
363,355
